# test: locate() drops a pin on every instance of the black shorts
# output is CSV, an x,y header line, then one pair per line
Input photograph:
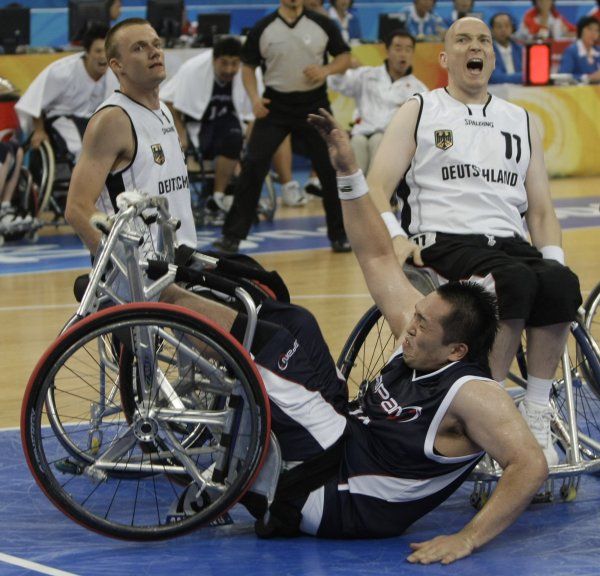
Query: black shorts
x,y
308,396
221,137
541,292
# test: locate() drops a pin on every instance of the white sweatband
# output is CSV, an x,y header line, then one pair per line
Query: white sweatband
x,y
392,224
353,186
553,253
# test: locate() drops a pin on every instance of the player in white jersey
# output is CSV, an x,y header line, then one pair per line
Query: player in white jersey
x,y
470,167
66,93
132,142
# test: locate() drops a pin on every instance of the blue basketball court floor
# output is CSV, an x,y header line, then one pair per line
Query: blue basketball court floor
x,y
555,539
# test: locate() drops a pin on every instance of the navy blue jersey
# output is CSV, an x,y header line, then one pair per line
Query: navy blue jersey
x,y
391,475
221,102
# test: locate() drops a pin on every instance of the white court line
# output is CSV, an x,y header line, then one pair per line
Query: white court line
x,y
33,566
38,307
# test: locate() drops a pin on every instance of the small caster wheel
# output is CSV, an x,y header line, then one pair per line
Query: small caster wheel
x,y
568,492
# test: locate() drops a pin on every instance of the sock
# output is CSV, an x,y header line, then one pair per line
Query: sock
x,y
5,205
538,390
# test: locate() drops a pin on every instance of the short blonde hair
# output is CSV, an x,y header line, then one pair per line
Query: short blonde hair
x,y
110,45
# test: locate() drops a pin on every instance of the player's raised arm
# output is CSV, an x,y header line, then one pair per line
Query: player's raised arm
x,y
370,240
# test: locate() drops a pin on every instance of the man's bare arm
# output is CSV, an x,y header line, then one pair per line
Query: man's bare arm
x,y
542,222
318,74
391,161
370,240
491,421
107,145
259,104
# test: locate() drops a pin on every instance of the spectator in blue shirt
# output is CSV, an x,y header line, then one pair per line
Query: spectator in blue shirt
x,y
509,54
422,22
582,59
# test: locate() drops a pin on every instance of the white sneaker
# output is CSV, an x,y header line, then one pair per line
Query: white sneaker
x,y
223,201
538,419
292,194
10,220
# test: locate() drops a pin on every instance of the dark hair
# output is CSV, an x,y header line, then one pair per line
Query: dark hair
x,y
227,46
110,45
95,31
402,33
584,23
512,20
473,320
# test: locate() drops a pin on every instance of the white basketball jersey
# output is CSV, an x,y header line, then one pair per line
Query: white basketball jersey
x,y
468,172
158,166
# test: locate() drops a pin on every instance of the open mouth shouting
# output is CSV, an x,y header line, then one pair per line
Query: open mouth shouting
x,y
475,65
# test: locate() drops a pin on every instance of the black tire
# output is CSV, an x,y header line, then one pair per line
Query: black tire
x,y
367,349
115,484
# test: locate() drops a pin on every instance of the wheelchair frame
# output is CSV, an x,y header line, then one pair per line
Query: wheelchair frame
x,y
146,420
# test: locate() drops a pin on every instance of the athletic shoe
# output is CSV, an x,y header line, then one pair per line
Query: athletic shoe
x,y
341,245
538,419
227,245
223,201
9,219
292,194
313,187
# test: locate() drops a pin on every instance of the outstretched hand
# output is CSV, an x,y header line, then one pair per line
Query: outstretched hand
x,y
443,549
337,140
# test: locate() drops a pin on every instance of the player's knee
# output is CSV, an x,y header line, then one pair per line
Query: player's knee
x,y
562,285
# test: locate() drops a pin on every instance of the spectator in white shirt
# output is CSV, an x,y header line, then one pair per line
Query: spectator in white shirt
x,y
66,93
379,91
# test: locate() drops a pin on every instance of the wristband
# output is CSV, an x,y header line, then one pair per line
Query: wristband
x,y
553,253
392,224
353,186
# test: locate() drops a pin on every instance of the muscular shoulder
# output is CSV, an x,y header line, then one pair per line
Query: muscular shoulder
x,y
110,127
478,396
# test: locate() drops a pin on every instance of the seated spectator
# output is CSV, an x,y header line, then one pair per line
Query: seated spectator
x,y
545,21
208,91
461,9
378,91
509,54
348,23
422,22
582,59
67,92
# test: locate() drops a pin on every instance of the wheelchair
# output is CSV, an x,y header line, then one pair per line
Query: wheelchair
x,y
145,420
51,166
575,392
201,172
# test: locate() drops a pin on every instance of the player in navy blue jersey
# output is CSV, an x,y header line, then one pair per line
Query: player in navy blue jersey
x,y
417,430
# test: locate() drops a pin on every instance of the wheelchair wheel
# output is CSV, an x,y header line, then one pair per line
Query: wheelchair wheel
x,y
155,432
591,322
367,349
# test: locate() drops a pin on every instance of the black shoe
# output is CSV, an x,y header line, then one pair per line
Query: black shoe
x,y
227,245
341,245
313,190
